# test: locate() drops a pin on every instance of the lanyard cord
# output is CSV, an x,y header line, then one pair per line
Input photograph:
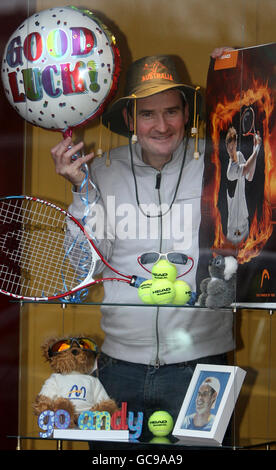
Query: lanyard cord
x,y
161,214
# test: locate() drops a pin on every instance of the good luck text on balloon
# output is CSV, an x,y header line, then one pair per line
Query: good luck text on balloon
x,y
61,76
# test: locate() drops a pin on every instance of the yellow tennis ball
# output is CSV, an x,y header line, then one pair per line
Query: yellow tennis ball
x,y
144,292
162,292
160,423
163,269
182,292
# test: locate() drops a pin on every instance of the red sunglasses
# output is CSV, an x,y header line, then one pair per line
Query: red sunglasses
x,y
65,344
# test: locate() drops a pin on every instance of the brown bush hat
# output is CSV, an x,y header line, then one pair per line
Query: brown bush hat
x,y
146,77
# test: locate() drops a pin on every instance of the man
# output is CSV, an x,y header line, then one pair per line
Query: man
x,y
150,201
202,419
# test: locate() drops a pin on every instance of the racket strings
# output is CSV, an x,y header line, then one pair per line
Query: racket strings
x,y
248,121
34,258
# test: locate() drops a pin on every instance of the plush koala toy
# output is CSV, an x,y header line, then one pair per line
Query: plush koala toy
x,y
71,387
219,290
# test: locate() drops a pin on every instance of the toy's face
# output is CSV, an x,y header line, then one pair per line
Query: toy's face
x,y
216,267
72,354
64,344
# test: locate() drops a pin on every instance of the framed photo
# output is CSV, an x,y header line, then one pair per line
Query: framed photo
x,y
208,404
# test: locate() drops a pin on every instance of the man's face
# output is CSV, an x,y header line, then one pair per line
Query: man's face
x,y
161,120
231,148
204,400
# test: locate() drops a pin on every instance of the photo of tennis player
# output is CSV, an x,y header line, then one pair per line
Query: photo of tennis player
x,y
239,191
205,401
239,169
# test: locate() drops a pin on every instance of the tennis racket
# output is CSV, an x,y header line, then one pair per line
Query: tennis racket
x,y
45,253
248,122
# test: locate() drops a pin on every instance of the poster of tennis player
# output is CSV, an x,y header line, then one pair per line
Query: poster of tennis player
x,y
239,193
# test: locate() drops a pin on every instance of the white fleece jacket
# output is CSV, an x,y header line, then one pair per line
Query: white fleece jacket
x,y
140,333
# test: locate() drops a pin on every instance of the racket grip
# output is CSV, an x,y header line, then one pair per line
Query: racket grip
x,y
136,281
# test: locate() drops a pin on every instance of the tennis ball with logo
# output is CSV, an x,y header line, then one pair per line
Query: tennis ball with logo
x,y
162,292
160,423
182,292
164,270
144,291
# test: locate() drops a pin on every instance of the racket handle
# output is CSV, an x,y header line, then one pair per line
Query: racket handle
x,y
136,281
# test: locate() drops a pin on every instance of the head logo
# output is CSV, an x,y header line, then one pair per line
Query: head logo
x,y
265,275
156,70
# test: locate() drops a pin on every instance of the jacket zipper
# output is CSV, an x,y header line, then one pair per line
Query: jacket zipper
x,y
158,182
157,186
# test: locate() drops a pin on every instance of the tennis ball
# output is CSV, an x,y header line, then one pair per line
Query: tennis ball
x,y
144,291
160,423
162,292
182,292
163,269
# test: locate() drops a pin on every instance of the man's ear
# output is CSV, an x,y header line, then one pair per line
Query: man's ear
x,y
128,119
213,399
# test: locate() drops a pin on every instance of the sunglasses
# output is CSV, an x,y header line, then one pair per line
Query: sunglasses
x,y
64,344
173,257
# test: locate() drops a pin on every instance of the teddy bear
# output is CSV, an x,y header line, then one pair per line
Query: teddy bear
x,y
71,387
219,290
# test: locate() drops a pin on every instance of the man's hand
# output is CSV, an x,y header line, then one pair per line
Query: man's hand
x,y
219,51
70,169
257,139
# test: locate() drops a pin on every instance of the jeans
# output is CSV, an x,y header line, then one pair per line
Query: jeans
x,y
146,388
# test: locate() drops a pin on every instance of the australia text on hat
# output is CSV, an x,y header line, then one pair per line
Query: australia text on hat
x,y
156,70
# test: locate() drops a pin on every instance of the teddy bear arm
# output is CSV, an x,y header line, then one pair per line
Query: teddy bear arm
x,y
202,299
230,292
61,403
222,294
106,405
204,284
216,286
42,403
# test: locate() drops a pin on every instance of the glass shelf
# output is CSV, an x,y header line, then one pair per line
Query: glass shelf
x,y
232,307
254,425
168,443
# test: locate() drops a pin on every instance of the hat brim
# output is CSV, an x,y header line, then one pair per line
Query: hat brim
x,y
113,117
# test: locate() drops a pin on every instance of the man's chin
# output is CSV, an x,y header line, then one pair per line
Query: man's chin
x,y
201,411
163,149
